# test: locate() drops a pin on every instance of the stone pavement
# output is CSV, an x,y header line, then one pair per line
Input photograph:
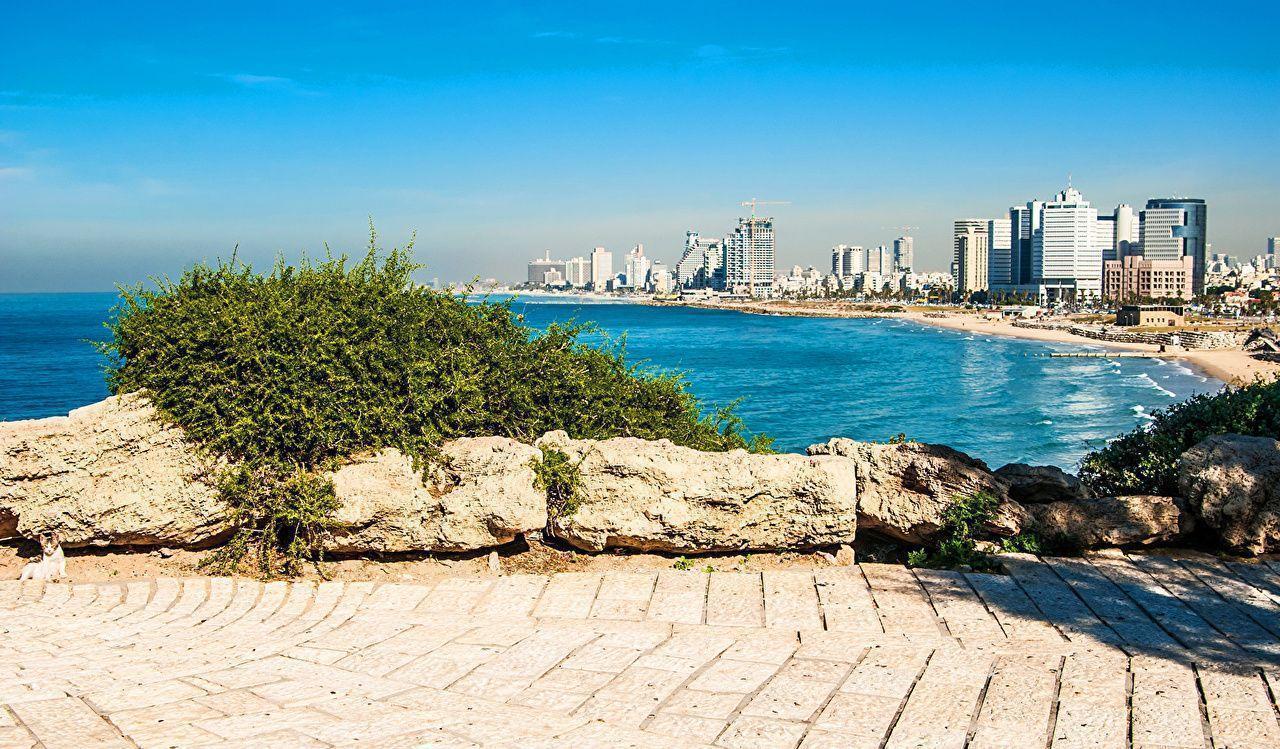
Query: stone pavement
x,y
1110,651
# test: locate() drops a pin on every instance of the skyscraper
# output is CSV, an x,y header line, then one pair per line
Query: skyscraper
x,y
879,260
1273,245
601,269
578,272
748,257
1172,235
962,228
904,254
1127,232
636,268
999,252
1066,252
1024,222
540,267
971,269
699,266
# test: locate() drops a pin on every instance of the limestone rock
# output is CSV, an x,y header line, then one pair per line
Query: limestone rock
x,y
903,489
656,495
481,495
1139,520
108,474
1039,484
1232,484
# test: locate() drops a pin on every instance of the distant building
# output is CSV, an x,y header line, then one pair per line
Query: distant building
x,y
701,265
577,272
636,269
1150,314
1024,223
601,269
1128,239
1173,227
749,257
660,279
960,269
999,252
1273,246
971,258
1136,278
904,254
1066,250
880,260
540,267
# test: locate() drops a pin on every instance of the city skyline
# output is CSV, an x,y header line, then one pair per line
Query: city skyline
x,y
137,144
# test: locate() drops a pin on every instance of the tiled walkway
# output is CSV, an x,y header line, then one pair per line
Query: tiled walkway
x,y
1111,651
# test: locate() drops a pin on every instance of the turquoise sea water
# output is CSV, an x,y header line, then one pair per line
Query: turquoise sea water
x,y
803,380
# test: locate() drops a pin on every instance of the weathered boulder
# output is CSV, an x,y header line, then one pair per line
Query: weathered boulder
x,y
1232,484
108,474
1030,484
1139,520
903,489
656,495
480,494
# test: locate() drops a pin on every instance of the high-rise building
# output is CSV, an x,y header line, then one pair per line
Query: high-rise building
x,y
578,272
601,269
700,265
904,254
748,257
1273,245
660,281
962,228
539,267
636,268
1127,233
1105,236
1066,252
880,260
837,261
999,252
1173,227
1024,223
971,258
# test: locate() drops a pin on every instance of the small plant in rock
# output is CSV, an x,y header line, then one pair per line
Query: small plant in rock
x,y
683,564
558,475
957,542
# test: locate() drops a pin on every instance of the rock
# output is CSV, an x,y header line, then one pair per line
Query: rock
x,y
108,474
1139,520
903,489
481,495
845,556
1232,484
1039,484
656,495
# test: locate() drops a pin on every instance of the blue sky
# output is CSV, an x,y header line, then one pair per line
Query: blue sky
x,y
136,138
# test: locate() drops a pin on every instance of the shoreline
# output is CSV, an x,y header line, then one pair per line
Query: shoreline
x,y
1228,366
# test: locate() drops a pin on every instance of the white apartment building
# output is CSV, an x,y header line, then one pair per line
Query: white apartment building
x,y
636,268
601,269
962,227
577,272
1067,250
999,252
971,260
700,264
749,257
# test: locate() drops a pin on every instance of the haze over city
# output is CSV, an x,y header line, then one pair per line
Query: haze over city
x,y
136,140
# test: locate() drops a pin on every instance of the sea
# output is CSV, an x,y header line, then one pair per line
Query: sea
x,y
800,380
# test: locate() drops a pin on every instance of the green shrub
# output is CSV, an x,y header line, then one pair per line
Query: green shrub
x,y
1143,461
558,476
957,541
286,373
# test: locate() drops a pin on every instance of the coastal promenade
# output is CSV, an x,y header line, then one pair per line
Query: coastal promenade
x,y
1107,651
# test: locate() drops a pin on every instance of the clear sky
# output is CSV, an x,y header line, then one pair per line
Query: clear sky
x,y
138,137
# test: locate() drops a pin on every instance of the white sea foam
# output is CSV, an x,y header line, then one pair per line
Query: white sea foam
x,y
1141,413
1147,378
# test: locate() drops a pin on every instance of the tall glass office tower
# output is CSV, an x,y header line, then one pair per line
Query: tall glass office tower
x,y
1171,241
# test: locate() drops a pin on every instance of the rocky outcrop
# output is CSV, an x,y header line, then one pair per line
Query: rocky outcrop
x,y
903,489
108,474
639,494
1139,520
1232,484
480,494
1039,484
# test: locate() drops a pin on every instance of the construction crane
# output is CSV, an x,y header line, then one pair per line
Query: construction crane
x,y
754,202
906,230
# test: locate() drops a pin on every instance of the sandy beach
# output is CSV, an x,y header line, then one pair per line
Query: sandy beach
x,y
1228,365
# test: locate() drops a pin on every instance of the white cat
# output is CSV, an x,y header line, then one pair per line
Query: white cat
x,y
52,564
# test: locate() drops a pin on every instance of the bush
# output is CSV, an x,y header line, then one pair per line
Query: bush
x,y
1143,461
289,372
957,541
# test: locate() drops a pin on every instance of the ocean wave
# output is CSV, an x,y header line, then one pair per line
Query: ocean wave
x,y
1152,383
1141,413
